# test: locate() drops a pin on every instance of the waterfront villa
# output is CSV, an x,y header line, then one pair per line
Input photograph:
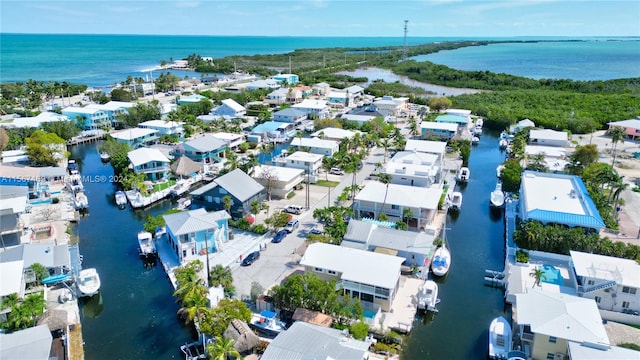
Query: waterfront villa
x,y
554,157
522,124
229,107
113,110
289,79
165,128
557,199
279,181
376,198
242,189
150,162
304,341
196,232
334,134
318,108
232,140
206,149
438,130
415,247
412,174
631,127
372,277
437,148
274,130
429,161
613,283
548,137
55,258
87,118
308,162
316,145
35,179
136,137
459,121
547,322
289,115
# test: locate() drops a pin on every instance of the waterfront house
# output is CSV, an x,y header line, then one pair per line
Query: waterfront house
x,y
416,158
113,110
321,89
458,112
415,247
360,119
274,130
338,99
372,277
317,108
164,128
232,140
13,203
35,179
438,130
613,283
554,157
335,134
413,174
206,149
55,258
303,341
437,148
277,180
557,199
277,97
32,343
459,121
87,118
190,99
242,189
150,162
631,127
315,145
288,79
229,107
263,84
12,281
392,199
355,91
308,162
546,322
548,137
136,137
522,124
196,232
289,115
34,121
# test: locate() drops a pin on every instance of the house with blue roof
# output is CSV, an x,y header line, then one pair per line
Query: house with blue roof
x,y
461,121
289,115
273,130
557,199
196,232
207,149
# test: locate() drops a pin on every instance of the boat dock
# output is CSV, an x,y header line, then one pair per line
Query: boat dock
x,y
85,139
494,278
137,200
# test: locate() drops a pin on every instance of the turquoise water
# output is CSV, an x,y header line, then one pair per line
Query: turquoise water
x,y
551,275
590,60
369,314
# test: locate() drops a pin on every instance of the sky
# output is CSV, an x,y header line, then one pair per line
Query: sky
x,y
426,18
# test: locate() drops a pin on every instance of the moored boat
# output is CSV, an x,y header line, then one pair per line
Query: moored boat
x,y
503,143
428,296
88,282
455,201
81,201
121,198
441,261
499,338
267,323
105,157
183,203
499,170
464,174
497,196
475,140
146,245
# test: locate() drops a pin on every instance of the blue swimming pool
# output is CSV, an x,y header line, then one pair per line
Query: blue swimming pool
x,y
551,275
369,314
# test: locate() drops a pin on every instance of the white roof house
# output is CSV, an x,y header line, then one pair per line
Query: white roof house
x,y
401,195
355,265
34,121
112,106
318,107
283,179
229,107
360,119
560,316
145,155
414,157
332,133
412,174
548,137
557,198
625,272
316,145
11,279
631,126
424,146
458,112
432,125
32,343
232,139
132,134
587,351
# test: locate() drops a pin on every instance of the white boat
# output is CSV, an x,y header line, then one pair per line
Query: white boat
x,y
499,338
81,201
183,203
104,156
428,296
497,196
441,261
504,135
88,282
477,130
74,183
479,123
267,323
499,170
147,246
503,143
121,198
464,174
475,140
455,201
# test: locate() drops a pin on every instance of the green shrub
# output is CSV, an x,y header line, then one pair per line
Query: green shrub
x,y
380,348
55,200
259,229
522,256
359,330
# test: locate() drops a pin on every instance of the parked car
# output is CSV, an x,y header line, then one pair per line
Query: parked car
x,y
292,225
279,236
315,231
293,209
251,258
336,171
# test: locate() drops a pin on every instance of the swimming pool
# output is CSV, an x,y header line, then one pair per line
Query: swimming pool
x,y
551,275
369,314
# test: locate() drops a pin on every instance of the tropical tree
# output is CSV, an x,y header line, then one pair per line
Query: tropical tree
x,y
414,128
582,157
385,143
385,179
216,321
221,275
45,149
189,282
255,207
511,176
617,134
40,271
538,275
194,307
537,163
222,348
227,201
407,215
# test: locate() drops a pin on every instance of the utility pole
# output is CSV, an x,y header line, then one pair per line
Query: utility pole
x,y
307,187
404,47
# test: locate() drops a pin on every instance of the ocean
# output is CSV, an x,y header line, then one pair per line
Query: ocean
x,y
102,60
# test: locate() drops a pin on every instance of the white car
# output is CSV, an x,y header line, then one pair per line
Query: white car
x,y
293,209
291,225
336,171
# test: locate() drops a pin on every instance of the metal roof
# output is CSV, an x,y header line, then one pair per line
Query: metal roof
x,y
205,144
188,222
239,184
431,147
361,235
30,343
144,155
48,255
402,195
625,272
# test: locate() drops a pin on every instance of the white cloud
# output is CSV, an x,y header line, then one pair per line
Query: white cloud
x,y
187,4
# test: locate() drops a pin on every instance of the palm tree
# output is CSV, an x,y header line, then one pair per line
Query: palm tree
x,y
617,134
385,179
227,201
385,143
538,275
194,307
222,348
413,126
255,207
407,214
221,275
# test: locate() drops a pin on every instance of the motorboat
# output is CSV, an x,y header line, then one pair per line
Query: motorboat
x,y
160,231
88,282
193,351
441,261
499,170
147,246
475,140
81,201
121,198
477,130
74,183
464,174
105,157
428,296
455,201
267,323
183,203
503,143
72,167
504,135
497,196
499,338
180,188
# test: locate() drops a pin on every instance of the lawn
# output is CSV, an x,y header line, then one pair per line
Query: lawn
x,y
327,183
161,186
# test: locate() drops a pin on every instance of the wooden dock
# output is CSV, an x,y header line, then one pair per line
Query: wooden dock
x,y
84,139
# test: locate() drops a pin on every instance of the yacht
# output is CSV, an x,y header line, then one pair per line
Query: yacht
x,y
503,143
147,246
475,140
441,261
464,174
497,196
499,338
88,282
428,296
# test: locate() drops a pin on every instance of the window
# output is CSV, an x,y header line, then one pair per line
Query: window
x,y
553,339
331,272
395,207
551,356
318,270
590,282
628,290
598,299
625,304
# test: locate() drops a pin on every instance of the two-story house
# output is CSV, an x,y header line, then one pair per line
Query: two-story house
x,y
136,137
150,162
87,118
165,128
229,107
335,134
206,149
236,184
437,148
412,174
317,108
113,110
438,130
278,181
196,232
13,203
316,145
289,79
308,162
289,115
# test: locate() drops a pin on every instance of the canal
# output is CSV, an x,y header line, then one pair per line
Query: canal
x,y
135,316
